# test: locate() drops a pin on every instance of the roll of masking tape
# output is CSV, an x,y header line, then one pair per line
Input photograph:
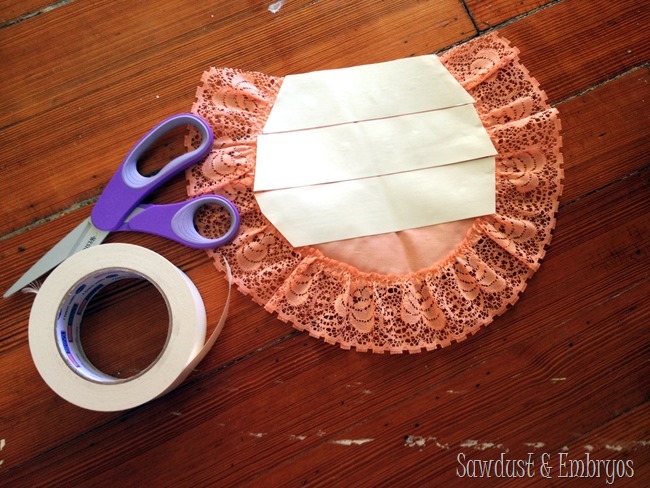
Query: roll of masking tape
x,y
57,312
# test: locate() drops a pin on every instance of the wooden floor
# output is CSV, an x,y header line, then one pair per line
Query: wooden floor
x,y
563,375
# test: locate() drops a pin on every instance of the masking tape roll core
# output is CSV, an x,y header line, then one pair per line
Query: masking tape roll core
x,y
57,312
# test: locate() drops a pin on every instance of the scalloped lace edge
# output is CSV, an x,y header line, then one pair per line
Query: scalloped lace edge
x,y
470,284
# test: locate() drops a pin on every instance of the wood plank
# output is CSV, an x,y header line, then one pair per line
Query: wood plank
x,y
201,36
621,150
565,347
13,11
604,134
249,328
629,429
547,337
566,367
102,100
465,414
560,44
55,195
100,146
489,13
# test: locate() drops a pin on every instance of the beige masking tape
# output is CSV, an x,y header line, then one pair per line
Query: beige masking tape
x,y
382,204
369,91
57,312
372,149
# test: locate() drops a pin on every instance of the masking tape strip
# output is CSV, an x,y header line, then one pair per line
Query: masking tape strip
x,y
383,204
57,313
364,92
370,148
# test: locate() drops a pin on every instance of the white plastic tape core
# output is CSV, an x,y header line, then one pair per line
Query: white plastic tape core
x,y
56,319
67,333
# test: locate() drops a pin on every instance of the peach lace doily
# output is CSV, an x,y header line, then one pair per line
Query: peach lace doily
x,y
415,304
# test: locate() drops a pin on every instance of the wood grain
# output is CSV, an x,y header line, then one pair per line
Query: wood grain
x,y
100,100
489,13
576,44
564,371
15,11
603,141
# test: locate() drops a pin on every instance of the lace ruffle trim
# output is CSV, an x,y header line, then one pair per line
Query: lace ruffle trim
x,y
432,307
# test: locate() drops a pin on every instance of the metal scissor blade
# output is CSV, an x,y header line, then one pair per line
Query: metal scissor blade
x,y
81,237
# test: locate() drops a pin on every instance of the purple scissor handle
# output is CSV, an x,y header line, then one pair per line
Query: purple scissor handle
x,y
119,207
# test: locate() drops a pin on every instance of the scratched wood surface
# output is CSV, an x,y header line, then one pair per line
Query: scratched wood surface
x,y
565,372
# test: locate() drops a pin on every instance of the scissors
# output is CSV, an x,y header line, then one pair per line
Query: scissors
x,y
119,207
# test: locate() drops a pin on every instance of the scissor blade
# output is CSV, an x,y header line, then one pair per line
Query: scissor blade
x,y
81,237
